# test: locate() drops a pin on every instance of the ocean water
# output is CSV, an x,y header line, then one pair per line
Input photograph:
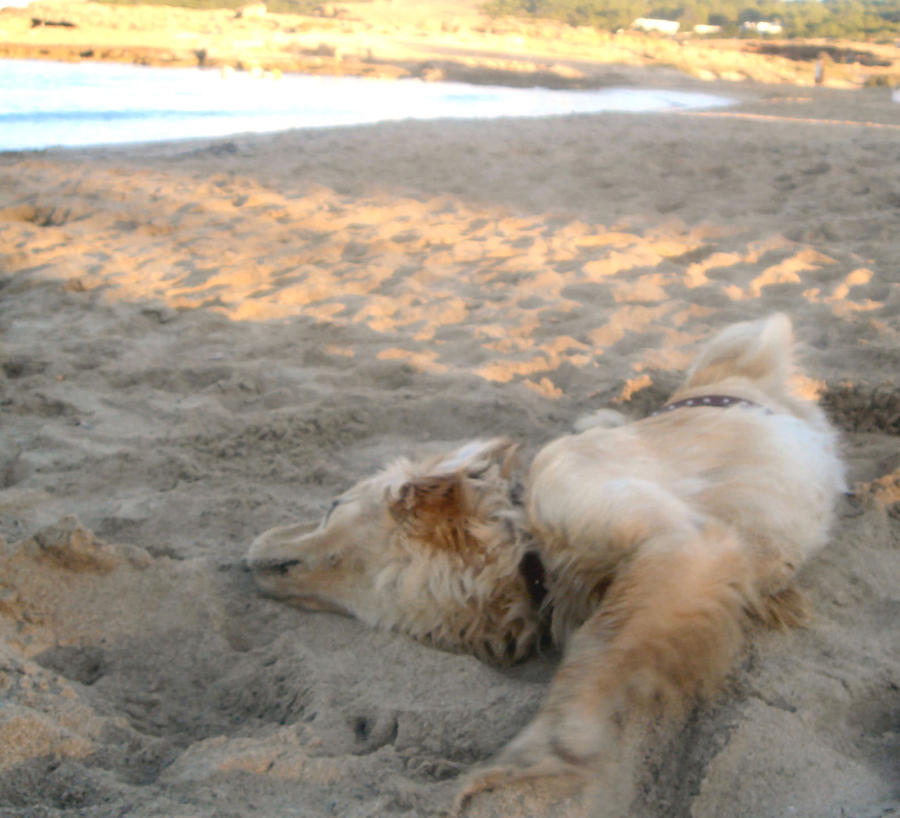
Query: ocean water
x,y
46,104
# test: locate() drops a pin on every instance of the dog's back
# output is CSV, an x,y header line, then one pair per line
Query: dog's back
x,y
739,448
774,470
661,537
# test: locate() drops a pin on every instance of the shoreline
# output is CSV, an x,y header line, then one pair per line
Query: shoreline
x,y
849,110
245,105
392,40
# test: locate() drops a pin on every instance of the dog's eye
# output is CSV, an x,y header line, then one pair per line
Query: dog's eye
x,y
331,508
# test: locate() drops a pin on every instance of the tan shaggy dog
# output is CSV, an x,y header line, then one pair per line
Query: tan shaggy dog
x,y
643,549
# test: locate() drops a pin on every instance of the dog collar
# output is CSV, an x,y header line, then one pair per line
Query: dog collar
x,y
531,569
722,401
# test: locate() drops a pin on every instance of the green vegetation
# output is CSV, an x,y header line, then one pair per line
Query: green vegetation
x,y
856,19
853,19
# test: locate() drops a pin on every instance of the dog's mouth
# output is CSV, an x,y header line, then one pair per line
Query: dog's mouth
x,y
275,567
289,581
311,602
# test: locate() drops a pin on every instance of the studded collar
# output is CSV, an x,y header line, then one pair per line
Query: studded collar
x,y
721,401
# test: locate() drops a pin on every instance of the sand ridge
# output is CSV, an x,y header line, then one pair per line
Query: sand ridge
x,y
205,339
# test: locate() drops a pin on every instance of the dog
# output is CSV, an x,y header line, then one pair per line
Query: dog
x,y
643,550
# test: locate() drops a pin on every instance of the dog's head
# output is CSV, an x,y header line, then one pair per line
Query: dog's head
x,y
432,548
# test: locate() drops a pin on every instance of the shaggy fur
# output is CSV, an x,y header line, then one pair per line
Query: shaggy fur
x,y
643,549
430,548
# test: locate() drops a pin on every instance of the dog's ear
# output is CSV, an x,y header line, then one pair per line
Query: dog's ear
x,y
434,494
434,511
475,458
440,501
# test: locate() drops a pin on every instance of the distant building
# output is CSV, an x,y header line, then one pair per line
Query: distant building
x,y
762,27
652,24
702,28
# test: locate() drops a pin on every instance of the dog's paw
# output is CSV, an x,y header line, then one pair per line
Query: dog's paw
x,y
545,787
484,780
601,418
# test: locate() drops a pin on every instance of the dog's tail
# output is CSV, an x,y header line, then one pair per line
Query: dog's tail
x,y
760,351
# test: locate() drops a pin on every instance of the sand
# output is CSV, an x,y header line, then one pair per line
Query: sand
x,y
201,340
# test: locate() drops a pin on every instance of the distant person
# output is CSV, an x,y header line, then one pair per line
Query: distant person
x,y
820,69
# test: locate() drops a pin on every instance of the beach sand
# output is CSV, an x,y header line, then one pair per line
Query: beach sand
x,y
201,340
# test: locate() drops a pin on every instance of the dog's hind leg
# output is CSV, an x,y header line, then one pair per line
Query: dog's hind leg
x,y
760,351
669,628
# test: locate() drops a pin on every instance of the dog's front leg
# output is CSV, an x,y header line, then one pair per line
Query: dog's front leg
x,y
668,630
